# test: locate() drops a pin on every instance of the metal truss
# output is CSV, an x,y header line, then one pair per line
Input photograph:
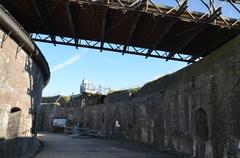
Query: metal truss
x,y
114,47
213,16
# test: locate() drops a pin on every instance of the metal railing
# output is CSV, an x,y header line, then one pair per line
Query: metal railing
x,y
93,89
83,132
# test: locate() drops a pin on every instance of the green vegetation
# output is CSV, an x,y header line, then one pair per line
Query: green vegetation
x,y
62,100
133,91
129,92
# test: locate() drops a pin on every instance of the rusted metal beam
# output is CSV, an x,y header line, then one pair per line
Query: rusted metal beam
x,y
159,10
74,20
44,18
131,33
161,37
105,12
214,15
186,42
182,8
82,10
72,26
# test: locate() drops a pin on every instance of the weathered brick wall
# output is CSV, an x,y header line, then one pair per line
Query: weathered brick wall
x,y
21,84
195,110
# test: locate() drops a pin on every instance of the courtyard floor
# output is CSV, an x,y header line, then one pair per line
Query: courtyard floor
x,y
61,146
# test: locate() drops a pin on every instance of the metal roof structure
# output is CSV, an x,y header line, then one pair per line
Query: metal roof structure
x,y
138,27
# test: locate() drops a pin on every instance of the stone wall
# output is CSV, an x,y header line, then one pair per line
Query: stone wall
x,y
70,107
21,84
195,110
73,114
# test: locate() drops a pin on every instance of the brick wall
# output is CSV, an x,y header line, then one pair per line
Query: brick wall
x,y
21,84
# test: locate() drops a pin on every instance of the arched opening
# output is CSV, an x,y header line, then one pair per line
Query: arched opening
x,y
201,131
201,125
13,122
15,109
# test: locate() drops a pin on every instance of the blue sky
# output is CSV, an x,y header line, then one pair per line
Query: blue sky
x,y
69,66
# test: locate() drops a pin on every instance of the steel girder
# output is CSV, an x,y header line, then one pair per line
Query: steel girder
x,y
114,47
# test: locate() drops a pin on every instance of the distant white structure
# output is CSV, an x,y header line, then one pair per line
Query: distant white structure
x,y
117,125
92,88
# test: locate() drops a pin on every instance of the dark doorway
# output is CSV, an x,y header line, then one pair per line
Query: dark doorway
x,y
201,125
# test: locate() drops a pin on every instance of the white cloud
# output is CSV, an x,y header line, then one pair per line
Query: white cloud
x,y
66,63
109,61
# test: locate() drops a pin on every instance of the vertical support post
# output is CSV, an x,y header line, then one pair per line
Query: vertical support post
x,y
147,3
103,28
211,6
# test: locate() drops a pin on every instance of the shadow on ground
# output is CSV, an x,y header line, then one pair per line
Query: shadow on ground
x,y
61,146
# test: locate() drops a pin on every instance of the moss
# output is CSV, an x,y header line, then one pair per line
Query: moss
x,y
62,100
66,98
50,99
133,91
